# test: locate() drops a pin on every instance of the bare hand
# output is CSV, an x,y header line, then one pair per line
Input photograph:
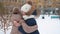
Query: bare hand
x,y
16,24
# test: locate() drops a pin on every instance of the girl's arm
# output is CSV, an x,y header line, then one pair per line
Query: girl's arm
x,y
27,28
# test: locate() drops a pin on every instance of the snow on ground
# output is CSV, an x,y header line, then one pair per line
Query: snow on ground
x,y
45,26
7,32
48,25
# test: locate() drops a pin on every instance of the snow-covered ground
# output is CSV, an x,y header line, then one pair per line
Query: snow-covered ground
x,y
48,25
45,26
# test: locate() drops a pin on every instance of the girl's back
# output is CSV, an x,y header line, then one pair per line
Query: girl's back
x,y
15,17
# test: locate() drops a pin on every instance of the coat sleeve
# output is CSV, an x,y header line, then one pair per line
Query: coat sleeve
x,y
29,29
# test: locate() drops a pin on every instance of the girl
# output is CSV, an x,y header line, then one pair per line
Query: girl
x,y
29,17
16,16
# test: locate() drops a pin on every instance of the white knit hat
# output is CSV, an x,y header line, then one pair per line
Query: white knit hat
x,y
26,8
